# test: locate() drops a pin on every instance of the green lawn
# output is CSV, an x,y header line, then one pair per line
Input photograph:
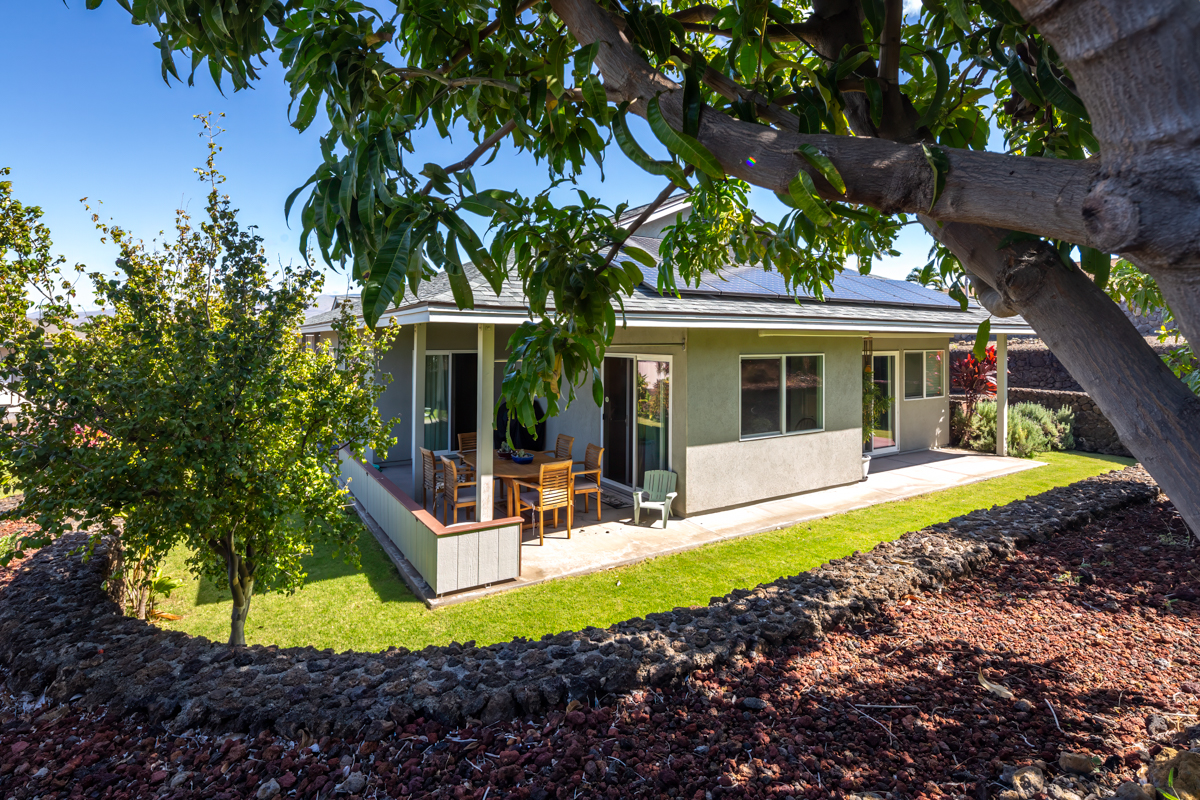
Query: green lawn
x,y
372,609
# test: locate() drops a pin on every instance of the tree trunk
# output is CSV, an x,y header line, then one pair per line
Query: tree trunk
x,y
243,591
1154,413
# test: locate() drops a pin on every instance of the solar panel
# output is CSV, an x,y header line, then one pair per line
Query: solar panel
x,y
848,287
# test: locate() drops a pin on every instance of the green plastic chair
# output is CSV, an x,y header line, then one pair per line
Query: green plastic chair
x,y
658,494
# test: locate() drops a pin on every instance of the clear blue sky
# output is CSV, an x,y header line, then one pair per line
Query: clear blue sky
x,y
85,112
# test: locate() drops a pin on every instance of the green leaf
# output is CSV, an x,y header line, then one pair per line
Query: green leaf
x,y
939,162
460,287
1097,263
595,98
958,13
875,98
803,193
1057,92
821,163
686,147
307,111
1022,82
388,272
639,255
981,338
640,157
941,72
584,57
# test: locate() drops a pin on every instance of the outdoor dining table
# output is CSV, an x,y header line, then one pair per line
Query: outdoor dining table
x,y
510,472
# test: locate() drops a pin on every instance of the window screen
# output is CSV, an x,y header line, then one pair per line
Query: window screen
x,y
803,395
760,396
913,375
933,372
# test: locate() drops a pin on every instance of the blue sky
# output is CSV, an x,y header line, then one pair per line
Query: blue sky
x,y
86,114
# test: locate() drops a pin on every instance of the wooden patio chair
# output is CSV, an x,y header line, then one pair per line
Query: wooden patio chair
x,y
587,480
658,494
552,493
564,446
457,493
467,441
433,479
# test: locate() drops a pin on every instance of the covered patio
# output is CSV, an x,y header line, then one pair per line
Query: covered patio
x,y
615,541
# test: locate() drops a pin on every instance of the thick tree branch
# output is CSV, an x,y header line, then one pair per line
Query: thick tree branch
x,y
1042,196
645,215
1137,68
889,41
487,144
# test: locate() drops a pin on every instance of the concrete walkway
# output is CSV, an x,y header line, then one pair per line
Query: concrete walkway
x,y
615,541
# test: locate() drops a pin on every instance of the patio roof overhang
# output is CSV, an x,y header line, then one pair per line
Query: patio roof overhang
x,y
849,326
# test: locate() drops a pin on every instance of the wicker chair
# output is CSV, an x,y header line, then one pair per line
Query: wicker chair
x,y
457,493
467,442
564,446
432,479
587,480
552,493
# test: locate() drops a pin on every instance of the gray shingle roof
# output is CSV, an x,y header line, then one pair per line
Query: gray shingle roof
x,y
859,300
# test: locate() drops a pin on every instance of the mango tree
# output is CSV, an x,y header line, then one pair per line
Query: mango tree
x,y
860,116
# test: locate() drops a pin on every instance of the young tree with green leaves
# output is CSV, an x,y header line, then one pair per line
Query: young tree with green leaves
x,y
860,117
187,412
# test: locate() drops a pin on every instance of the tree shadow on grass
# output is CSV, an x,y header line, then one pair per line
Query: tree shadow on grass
x,y
385,583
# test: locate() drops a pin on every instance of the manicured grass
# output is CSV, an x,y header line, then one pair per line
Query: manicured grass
x,y
371,610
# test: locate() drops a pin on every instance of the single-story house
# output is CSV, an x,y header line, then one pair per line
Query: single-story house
x,y
745,392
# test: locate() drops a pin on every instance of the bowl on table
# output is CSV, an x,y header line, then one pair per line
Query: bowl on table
x,y
527,459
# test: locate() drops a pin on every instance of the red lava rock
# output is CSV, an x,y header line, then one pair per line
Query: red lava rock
x,y
891,704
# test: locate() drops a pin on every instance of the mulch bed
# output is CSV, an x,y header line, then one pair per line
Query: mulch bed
x,y
1094,632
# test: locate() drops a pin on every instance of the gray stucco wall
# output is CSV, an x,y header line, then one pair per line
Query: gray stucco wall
x,y
923,423
395,402
725,471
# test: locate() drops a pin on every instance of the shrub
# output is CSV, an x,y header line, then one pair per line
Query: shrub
x,y
1032,429
975,378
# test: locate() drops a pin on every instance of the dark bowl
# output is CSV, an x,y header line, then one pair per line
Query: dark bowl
x,y
522,459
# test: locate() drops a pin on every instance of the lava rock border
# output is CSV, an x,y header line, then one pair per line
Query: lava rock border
x,y
62,636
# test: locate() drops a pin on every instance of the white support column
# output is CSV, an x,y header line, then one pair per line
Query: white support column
x,y
486,380
1001,394
417,422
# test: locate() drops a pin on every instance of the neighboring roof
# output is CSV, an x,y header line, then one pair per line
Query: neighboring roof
x,y
742,297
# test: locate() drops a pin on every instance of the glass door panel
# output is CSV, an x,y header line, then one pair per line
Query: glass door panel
x,y
653,416
618,433
883,438
437,402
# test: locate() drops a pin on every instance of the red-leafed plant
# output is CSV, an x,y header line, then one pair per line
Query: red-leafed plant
x,y
976,378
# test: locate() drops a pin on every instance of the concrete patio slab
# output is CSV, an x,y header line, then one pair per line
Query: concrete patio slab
x,y
615,541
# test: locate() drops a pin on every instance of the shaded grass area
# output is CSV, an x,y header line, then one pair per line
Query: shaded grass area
x,y
371,609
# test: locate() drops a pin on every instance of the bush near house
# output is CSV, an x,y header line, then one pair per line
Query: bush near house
x,y
1032,428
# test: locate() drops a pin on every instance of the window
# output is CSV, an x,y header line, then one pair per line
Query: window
x,y
782,395
923,374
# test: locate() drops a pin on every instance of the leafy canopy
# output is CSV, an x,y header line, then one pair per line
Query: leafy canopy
x,y
513,70
186,411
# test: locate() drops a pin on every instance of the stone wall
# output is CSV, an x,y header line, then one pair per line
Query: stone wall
x,y
60,634
1031,365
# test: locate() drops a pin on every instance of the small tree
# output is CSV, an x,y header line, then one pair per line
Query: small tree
x,y
187,412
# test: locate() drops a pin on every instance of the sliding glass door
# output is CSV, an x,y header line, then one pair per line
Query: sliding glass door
x,y
883,438
437,402
636,418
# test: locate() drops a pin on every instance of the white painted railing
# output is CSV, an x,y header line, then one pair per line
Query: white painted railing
x,y
450,559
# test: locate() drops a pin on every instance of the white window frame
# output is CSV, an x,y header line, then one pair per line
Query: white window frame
x,y
782,395
924,387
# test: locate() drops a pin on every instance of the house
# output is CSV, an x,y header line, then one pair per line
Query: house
x,y
744,391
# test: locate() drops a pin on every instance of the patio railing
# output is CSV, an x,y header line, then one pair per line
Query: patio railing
x,y
449,558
